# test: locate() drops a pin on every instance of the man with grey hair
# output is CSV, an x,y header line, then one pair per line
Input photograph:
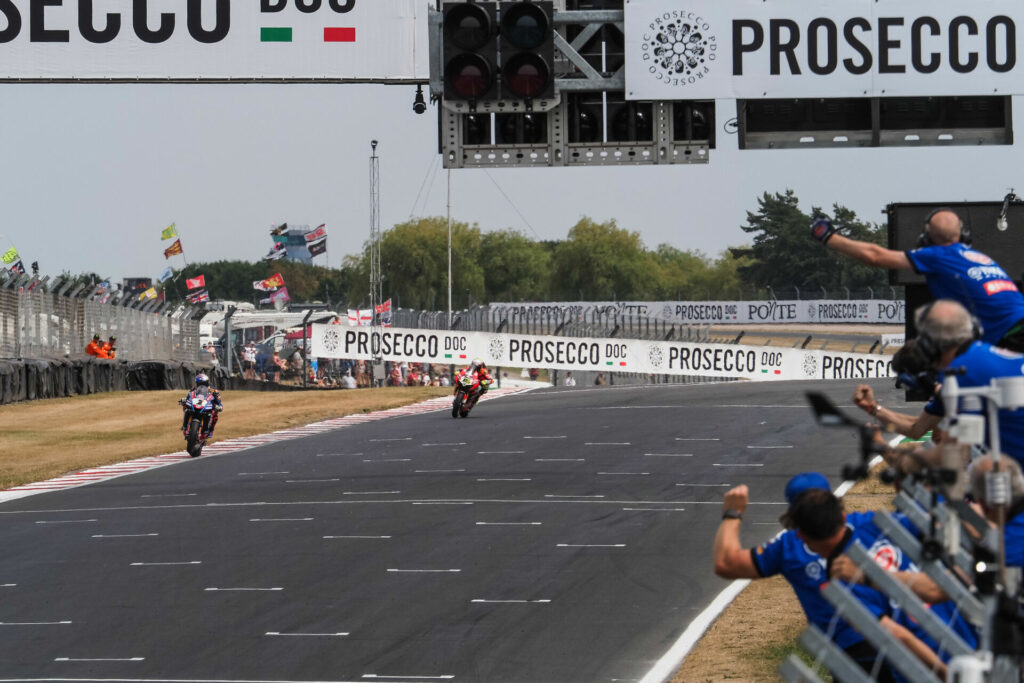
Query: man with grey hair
x,y
948,341
952,269
1014,521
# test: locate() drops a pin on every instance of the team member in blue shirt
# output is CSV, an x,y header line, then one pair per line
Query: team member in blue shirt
x,y
952,270
802,555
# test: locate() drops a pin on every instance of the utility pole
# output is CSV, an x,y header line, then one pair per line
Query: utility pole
x,y
376,293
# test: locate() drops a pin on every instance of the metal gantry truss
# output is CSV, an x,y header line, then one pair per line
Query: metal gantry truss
x,y
573,74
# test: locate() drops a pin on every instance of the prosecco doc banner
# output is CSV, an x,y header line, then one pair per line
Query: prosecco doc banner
x,y
757,363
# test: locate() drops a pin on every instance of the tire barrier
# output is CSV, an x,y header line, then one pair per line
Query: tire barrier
x,y
30,379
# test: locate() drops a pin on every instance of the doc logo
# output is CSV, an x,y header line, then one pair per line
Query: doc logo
x,y
679,48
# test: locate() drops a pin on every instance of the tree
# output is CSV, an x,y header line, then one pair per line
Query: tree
x,y
691,275
515,267
783,254
600,261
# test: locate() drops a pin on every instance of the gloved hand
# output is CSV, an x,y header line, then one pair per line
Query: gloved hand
x,y
822,229
220,409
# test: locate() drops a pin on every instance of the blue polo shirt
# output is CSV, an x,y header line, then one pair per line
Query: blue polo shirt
x,y
982,363
955,271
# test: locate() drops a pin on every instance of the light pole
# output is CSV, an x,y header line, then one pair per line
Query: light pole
x,y
449,248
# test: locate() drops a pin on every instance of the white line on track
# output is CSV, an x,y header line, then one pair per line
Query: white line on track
x,y
712,485
99,659
560,460
559,495
435,471
66,521
161,564
425,571
308,481
669,455
401,438
442,502
685,438
514,602
624,474
281,519
390,460
332,455
607,443
654,509
454,443
33,623
500,452
418,678
766,447
224,590
737,464
256,474
308,635
544,437
122,535
509,523
358,537
369,493
590,545
504,479
8,585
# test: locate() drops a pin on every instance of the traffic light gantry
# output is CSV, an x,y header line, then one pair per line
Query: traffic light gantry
x,y
541,83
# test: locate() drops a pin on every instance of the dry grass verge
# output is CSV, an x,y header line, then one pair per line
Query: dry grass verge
x,y
749,641
44,439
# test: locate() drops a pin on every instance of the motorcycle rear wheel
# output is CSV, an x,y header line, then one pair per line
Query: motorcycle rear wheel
x,y
192,444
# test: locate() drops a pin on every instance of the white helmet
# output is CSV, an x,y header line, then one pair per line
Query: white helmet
x,y
477,364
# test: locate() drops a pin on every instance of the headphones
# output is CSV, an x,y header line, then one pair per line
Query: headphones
x,y
927,351
924,240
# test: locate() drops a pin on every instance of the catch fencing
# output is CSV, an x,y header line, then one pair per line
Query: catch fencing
x,y
41,319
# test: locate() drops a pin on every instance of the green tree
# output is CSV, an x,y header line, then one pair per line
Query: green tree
x,y
515,267
783,254
691,275
600,261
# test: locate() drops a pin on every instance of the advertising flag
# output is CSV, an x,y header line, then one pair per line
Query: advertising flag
x,y
319,233
279,230
196,282
317,248
9,256
166,275
148,294
19,267
173,250
384,307
169,232
280,295
273,282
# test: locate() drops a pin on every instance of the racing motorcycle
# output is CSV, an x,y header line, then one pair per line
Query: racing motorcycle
x,y
199,407
467,393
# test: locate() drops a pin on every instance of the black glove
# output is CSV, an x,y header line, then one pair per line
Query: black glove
x,y
822,230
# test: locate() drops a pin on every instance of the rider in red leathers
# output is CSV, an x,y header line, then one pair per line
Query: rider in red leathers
x,y
478,371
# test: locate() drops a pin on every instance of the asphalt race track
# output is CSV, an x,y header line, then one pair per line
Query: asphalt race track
x,y
554,536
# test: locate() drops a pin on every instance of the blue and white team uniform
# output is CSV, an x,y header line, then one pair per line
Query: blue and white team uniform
x,y
982,363
807,573
1014,535
955,271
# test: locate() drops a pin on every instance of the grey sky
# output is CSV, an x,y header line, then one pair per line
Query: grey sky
x,y
90,174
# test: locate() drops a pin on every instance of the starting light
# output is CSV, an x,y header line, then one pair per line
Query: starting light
x,y
527,48
470,50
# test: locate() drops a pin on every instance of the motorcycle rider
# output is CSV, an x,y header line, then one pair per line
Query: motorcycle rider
x,y
202,380
477,370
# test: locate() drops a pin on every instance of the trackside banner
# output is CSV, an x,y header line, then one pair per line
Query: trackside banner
x,y
752,49
716,312
618,355
204,40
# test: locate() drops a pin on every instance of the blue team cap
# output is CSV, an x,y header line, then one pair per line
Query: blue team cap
x,y
805,482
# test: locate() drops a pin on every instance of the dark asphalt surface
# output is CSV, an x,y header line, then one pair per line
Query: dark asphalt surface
x,y
555,536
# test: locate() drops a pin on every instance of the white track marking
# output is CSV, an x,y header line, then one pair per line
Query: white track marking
x,y
686,438
334,455
359,537
443,502
256,474
590,545
767,447
401,438
435,471
162,564
560,495
281,519
509,523
391,460
67,521
8,585
418,678
369,493
624,474
607,443
512,602
454,443
308,635
224,590
654,509
668,455
33,623
122,535
99,659
544,437
424,571
738,464
308,481
712,485
560,460
500,452
504,479
167,495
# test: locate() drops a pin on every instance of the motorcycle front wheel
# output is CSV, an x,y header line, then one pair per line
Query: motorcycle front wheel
x,y
192,444
457,404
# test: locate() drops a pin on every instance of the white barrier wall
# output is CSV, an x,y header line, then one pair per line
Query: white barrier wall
x,y
756,363
719,312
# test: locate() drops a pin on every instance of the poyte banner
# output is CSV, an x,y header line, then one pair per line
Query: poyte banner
x,y
589,354
882,311
751,49
214,40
